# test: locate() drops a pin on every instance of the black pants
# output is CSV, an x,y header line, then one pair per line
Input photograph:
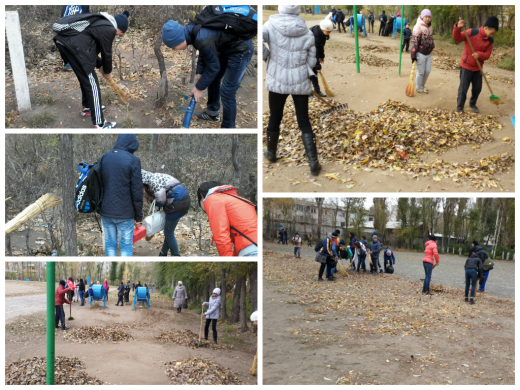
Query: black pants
x,y
382,28
127,296
119,299
90,92
329,263
373,264
468,77
314,81
213,328
60,316
406,42
339,26
277,104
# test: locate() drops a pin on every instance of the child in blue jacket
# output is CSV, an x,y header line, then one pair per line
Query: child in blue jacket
x,y
373,250
388,257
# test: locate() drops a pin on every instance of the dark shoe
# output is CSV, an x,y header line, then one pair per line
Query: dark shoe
x,y
471,301
429,293
423,290
321,94
466,299
82,304
474,109
331,279
67,68
214,340
206,117
320,280
65,328
162,254
459,110
309,142
57,327
272,145
206,338
86,111
117,304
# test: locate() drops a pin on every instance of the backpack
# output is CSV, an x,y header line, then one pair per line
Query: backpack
x,y
239,20
89,191
488,264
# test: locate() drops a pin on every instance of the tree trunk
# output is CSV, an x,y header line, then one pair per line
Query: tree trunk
x,y
237,168
154,140
68,178
253,289
193,64
468,22
243,316
206,289
163,84
212,281
8,238
235,311
223,292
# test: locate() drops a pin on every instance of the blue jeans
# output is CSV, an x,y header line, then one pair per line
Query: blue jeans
x,y
428,267
361,263
483,285
170,243
471,275
60,316
226,84
124,228
81,297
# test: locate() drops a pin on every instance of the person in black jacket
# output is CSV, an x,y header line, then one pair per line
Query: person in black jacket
x,y
81,290
474,270
382,19
127,291
371,22
122,206
221,66
285,236
340,17
407,35
80,38
475,248
120,293
321,35
68,10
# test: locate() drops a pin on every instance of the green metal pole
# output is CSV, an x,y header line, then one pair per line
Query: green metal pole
x,y
51,280
401,44
357,42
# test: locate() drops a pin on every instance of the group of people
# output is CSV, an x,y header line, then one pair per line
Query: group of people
x,y
282,235
232,219
85,42
332,249
74,290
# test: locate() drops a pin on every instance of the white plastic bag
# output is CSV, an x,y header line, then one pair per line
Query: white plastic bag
x,y
154,223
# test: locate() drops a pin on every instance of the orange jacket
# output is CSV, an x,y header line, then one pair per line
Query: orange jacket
x,y
224,212
431,252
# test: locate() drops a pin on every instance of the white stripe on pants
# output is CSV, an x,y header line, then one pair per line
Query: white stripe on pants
x,y
97,106
424,66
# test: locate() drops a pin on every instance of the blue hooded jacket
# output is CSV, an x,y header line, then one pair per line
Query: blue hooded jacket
x,y
122,181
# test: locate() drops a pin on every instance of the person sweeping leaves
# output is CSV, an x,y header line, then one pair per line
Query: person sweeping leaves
x,y
422,46
482,41
212,314
321,34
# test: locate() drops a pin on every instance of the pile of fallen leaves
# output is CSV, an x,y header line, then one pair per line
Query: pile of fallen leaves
x,y
67,371
188,338
365,59
443,60
506,80
367,140
95,334
199,371
377,49
498,54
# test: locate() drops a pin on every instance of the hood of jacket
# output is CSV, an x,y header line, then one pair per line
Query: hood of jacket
x,y
289,25
127,142
224,188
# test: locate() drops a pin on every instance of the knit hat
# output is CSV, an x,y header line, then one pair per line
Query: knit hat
x,y
475,243
326,25
105,280
62,282
296,234
389,252
289,9
492,22
374,236
216,291
335,234
342,242
337,231
173,34
179,282
426,12
122,21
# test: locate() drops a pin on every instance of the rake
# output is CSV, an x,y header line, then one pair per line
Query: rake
x,y
333,109
342,269
326,86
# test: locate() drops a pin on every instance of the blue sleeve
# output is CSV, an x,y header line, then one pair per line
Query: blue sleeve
x,y
393,258
212,67
200,66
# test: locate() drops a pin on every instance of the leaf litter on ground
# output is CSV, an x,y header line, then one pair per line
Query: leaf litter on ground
x,y
188,338
199,371
96,334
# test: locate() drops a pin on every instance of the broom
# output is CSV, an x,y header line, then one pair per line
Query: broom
x,y
493,98
253,370
118,90
342,269
45,202
70,318
326,86
410,88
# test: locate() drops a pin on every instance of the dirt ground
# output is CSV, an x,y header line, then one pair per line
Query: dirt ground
x,y
366,90
368,329
13,288
141,84
137,361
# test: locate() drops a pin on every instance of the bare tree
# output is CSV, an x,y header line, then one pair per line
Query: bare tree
x,y
319,205
67,194
234,158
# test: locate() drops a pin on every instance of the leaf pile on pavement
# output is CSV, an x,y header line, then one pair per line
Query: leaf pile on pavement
x,y
443,60
377,49
365,59
67,371
366,140
188,338
506,80
96,334
199,371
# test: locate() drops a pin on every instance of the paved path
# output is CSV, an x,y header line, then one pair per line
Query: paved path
x,y
450,272
28,304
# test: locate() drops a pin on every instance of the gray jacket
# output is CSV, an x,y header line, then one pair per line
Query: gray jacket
x,y
180,295
291,55
213,308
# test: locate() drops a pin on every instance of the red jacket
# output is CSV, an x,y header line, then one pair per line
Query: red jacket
x,y
59,296
431,252
481,43
226,210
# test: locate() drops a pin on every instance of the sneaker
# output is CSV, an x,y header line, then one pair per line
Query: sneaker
x,y
474,109
107,125
471,301
65,328
206,117
460,110
320,280
466,300
420,90
86,111
67,68
425,90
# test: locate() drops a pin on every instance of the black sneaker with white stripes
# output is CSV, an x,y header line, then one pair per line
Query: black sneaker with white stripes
x,y
206,117
86,111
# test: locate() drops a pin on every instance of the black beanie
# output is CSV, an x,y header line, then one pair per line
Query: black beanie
x,y
62,282
475,243
122,21
492,22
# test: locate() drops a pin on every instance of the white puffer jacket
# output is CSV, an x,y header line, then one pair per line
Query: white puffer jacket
x,y
291,55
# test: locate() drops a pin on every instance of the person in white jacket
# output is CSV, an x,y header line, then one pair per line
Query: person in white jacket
x,y
290,54
180,297
212,314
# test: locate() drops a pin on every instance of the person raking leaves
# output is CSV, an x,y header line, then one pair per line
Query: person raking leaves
x,y
59,299
470,72
80,38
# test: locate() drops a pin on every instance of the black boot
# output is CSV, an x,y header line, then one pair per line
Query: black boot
x,y
429,293
162,254
215,339
309,142
272,145
466,299
423,290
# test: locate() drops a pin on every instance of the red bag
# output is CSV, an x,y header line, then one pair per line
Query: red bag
x,y
139,234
